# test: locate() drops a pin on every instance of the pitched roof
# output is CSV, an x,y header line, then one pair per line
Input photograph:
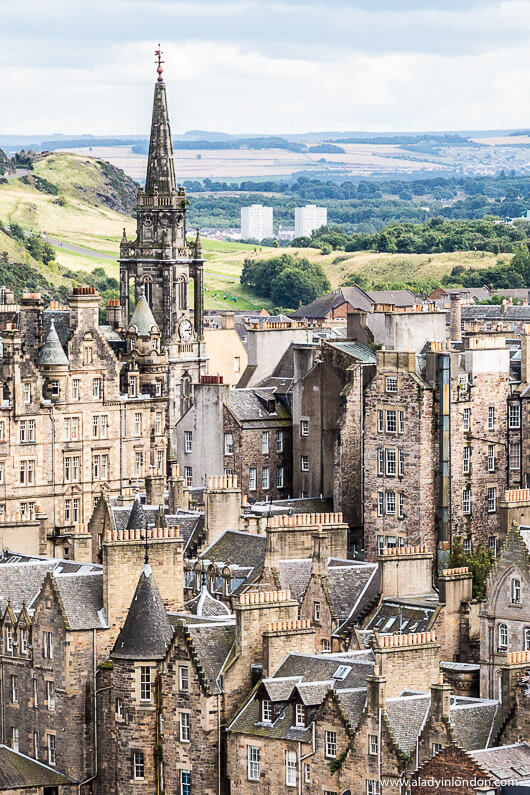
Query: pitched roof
x,y
204,604
476,722
147,631
406,716
82,599
142,319
320,667
234,546
245,405
18,771
506,761
404,615
355,349
52,352
212,643
346,582
137,519
294,576
352,702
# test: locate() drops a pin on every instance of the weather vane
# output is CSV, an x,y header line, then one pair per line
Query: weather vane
x,y
159,61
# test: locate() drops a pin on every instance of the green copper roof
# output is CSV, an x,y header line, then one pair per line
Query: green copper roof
x,y
52,352
142,318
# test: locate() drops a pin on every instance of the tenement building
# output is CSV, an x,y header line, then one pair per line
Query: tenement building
x,y
89,406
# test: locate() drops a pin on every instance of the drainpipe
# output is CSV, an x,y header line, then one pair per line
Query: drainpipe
x,y
95,708
218,744
52,420
303,757
379,761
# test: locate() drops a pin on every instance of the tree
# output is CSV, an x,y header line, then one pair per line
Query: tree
x,y
479,562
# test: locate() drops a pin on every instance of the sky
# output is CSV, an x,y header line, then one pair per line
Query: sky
x,y
265,66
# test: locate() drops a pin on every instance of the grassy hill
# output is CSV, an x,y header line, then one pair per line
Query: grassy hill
x,y
81,216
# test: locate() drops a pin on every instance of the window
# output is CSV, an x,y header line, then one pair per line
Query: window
x,y
95,467
514,415
279,441
139,464
27,473
159,460
316,611
516,592
331,744
390,501
252,478
307,773
390,462
54,387
304,463
51,747
103,426
27,431
2,430
158,422
401,422
252,763
229,444
184,727
372,786
515,455
290,768
185,782
35,693
526,639
492,499
391,421
23,641
436,748
137,423
27,393
401,465
299,713
466,501
145,683
95,426
265,443
380,503
96,388
467,545
491,458
266,711
50,695
36,745
188,476
466,418
14,738
47,645
304,427
265,478
491,418
132,386
14,689
9,638
279,478
466,460
188,441
237,364
138,765
380,461
391,384
75,388
325,645
184,681
503,637
380,420
492,544
380,544
119,709
373,744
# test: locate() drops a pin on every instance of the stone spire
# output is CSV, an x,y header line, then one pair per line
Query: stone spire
x,y
52,352
160,167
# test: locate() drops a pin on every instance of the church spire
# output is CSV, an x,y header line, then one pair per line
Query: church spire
x,y
160,167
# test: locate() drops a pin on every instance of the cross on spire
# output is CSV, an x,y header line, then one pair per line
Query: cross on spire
x,y
159,62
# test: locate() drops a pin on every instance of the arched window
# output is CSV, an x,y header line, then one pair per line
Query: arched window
x,y
148,290
185,393
503,637
182,292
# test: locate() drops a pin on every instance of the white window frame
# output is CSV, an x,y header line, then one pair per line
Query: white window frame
x,y
373,744
304,427
266,710
502,637
252,478
391,462
516,591
253,763
279,477
491,458
188,441
138,765
185,727
380,503
466,419
515,455
265,478
330,744
391,384
279,441
229,444
514,416
265,442
146,684
491,418
184,678
390,502
391,421
492,499
299,712
304,463
290,768
466,501
466,459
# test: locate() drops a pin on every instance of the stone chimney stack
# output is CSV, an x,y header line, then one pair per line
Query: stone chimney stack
x,y
175,490
84,309
405,571
441,699
375,692
155,486
228,320
418,652
113,313
222,503
517,665
31,308
319,562
282,638
456,317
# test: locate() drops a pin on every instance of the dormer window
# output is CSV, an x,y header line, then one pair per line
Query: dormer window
x,y
54,388
516,592
23,641
299,715
132,386
9,638
266,711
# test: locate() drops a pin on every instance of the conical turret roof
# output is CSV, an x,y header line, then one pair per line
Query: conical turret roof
x,y
142,318
137,518
147,632
160,167
52,352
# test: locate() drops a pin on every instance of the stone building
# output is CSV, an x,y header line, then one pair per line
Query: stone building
x,y
505,613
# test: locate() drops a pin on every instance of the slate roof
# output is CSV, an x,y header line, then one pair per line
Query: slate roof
x,y
21,583
18,771
137,519
476,722
234,546
404,616
357,298
294,576
212,644
61,320
248,721
147,631
356,349
394,297
406,716
52,352
495,312
246,405
142,319
506,762
319,667
352,702
346,583
296,505
82,599
204,604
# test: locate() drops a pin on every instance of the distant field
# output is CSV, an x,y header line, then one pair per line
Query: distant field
x,y
190,164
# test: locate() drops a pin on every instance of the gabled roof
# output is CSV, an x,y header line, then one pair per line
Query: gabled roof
x,y
82,600
52,352
204,604
18,771
147,631
142,320
406,715
506,761
246,405
236,547
137,519
211,643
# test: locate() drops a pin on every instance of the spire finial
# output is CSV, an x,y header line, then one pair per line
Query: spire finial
x,y
159,62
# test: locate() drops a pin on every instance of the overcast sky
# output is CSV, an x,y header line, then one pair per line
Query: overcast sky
x,y
75,66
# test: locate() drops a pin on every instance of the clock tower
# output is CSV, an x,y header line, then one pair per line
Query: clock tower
x,y
160,263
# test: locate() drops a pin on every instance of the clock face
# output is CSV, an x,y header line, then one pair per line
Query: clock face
x,y
185,330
